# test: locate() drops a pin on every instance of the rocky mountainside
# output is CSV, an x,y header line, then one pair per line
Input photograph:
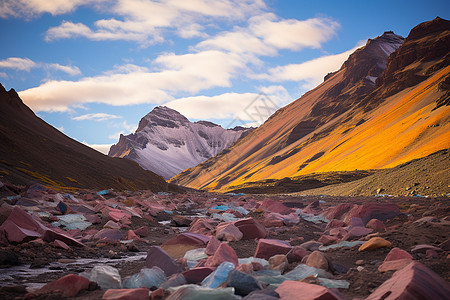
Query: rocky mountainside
x,y
388,104
32,150
167,143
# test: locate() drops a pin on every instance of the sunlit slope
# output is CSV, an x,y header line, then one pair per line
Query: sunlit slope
x,y
348,122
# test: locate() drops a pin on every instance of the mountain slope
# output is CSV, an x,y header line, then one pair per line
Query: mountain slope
x,y
31,149
167,143
373,113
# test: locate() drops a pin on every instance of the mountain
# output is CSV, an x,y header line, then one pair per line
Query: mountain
x,y
167,143
386,105
32,150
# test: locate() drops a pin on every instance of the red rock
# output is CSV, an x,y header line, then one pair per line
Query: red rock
x,y
334,224
196,275
296,254
142,231
228,232
250,229
311,245
212,246
267,248
181,221
14,233
111,224
245,268
357,232
339,211
126,294
413,282
111,234
131,235
394,265
338,232
374,243
376,225
157,294
312,208
305,291
431,253
156,256
223,253
380,211
423,248
61,244
396,254
276,206
278,262
317,260
272,223
327,240
202,226
69,285
177,246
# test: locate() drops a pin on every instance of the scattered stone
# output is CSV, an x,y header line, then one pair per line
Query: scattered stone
x,y
61,244
181,221
327,240
156,256
111,224
222,254
218,276
108,233
177,246
317,260
413,282
106,277
126,294
374,243
69,286
197,275
250,229
267,248
305,291
228,232
243,283
142,231
423,249
376,225
357,232
296,254
278,262
311,245
212,246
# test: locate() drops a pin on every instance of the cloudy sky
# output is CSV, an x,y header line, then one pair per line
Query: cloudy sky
x,y
94,68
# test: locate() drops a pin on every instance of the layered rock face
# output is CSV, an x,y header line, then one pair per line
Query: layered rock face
x,y
167,143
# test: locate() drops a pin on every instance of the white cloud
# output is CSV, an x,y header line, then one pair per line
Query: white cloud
x,y
17,63
4,75
31,8
125,129
71,70
311,72
99,117
103,148
293,34
178,73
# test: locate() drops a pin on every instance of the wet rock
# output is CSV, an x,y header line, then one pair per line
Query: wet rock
x,y
156,256
278,262
376,225
305,291
243,283
197,275
228,232
375,243
267,248
317,260
126,294
69,286
250,229
223,253
413,282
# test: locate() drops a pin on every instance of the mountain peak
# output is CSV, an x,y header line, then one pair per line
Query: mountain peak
x,y
162,116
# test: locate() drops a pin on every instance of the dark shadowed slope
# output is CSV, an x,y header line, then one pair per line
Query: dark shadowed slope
x,y
31,149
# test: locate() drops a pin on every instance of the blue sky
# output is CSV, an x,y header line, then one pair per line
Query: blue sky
x,y
94,68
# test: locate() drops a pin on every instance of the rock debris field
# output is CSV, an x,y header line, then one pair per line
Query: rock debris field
x,y
141,245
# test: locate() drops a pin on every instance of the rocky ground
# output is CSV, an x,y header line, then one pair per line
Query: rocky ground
x,y
40,244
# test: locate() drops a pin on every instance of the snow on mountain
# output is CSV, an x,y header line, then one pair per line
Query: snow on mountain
x,y
167,143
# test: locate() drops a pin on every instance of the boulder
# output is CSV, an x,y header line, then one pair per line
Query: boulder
x,y
305,291
126,294
243,283
142,231
374,243
108,233
327,240
69,285
197,275
317,260
267,248
250,229
380,211
228,232
202,226
181,221
177,246
376,225
356,233
413,282
212,246
278,262
222,254
296,254
339,211
157,257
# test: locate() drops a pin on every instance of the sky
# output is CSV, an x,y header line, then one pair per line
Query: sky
x,y
94,68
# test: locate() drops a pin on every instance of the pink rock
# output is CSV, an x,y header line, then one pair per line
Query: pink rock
x,y
327,240
355,221
431,253
338,232
14,233
334,224
339,211
212,246
278,262
111,234
61,244
133,236
317,260
376,225
423,248
223,253
250,229
126,294
305,291
202,226
111,224
413,282
69,285
311,245
396,254
380,211
196,275
245,268
267,248
142,231
118,215
228,232
357,232
276,206
50,235
272,223
156,256
312,208
296,254
177,246
394,265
